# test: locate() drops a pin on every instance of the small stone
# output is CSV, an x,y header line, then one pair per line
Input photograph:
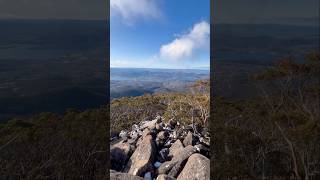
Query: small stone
x,y
147,176
157,164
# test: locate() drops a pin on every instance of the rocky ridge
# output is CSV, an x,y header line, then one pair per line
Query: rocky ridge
x,y
154,150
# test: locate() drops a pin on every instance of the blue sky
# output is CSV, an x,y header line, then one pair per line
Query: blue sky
x,y
160,33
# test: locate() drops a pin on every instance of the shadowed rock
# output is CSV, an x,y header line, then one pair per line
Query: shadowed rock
x,y
119,154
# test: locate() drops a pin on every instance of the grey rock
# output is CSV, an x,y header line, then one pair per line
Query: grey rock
x,y
190,139
165,177
134,134
176,148
197,168
149,124
141,159
147,176
164,153
135,127
178,158
157,164
123,134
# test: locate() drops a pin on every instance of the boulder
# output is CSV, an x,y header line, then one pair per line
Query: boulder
x,y
197,168
190,139
176,169
149,124
177,159
165,177
141,159
122,176
119,154
175,148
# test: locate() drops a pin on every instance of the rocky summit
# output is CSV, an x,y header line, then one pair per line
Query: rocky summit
x,y
155,150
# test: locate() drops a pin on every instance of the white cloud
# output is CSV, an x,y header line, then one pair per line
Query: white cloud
x,y
131,63
185,46
131,10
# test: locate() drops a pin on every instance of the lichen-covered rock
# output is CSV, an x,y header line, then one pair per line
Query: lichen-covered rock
x,y
123,176
197,168
141,160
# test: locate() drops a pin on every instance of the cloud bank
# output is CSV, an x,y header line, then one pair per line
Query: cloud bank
x,y
131,10
185,46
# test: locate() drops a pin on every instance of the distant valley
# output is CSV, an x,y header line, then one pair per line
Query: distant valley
x,y
135,81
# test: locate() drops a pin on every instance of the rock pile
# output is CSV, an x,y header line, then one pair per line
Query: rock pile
x,y
161,151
